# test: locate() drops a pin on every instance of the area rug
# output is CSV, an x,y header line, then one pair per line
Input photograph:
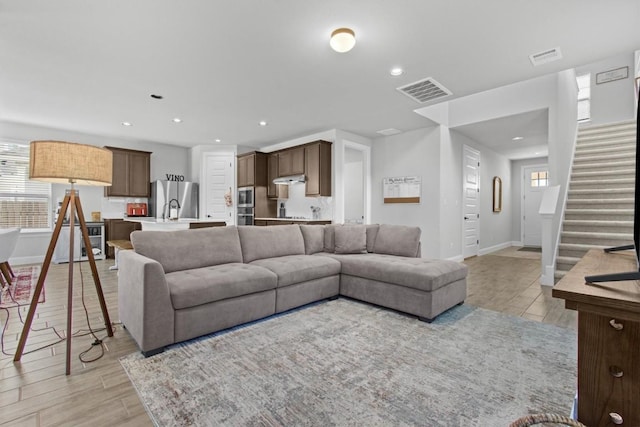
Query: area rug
x,y
530,249
348,363
22,288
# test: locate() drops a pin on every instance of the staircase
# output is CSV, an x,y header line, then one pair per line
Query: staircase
x,y
599,210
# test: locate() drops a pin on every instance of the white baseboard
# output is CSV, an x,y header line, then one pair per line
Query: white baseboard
x,y
494,248
457,258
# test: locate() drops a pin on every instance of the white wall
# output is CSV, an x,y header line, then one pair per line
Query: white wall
x,y
516,193
411,153
613,101
495,227
165,159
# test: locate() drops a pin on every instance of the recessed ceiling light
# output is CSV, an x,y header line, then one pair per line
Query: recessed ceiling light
x,y
342,40
517,138
218,140
177,120
126,124
396,71
155,96
262,123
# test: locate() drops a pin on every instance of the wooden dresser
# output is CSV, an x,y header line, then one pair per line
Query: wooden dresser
x,y
608,339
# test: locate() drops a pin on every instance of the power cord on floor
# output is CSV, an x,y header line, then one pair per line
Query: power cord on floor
x,y
97,341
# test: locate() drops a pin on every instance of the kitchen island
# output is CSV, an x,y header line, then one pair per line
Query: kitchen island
x,y
159,224
286,221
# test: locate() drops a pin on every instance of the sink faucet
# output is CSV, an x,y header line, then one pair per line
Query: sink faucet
x,y
171,205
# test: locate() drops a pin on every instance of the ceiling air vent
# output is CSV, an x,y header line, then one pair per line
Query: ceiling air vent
x,y
549,55
389,132
425,90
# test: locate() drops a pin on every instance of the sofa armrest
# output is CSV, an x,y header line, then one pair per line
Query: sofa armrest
x,y
144,301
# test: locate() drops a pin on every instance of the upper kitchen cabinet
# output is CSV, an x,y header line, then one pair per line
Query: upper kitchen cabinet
x,y
317,156
291,161
275,191
131,173
252,169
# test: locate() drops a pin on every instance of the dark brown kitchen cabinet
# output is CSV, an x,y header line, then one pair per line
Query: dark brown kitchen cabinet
x,y
291,161
247,170
118,229
317,157
275,191
131,173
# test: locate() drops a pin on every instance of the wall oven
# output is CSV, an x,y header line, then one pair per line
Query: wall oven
x,y
245,216
245,197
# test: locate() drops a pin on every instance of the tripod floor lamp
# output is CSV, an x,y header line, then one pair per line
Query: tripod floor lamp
x,y
65,162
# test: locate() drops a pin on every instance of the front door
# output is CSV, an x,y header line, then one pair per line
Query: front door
x,y
535,181
471,201
219,196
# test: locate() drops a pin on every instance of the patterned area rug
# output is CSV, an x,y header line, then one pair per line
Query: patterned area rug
x,y
347,363
21,289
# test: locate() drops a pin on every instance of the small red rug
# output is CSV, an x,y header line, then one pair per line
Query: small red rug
x,y
21,290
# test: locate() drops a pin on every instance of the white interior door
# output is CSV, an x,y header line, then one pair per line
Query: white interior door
x,y
354,188
535,179
218,180
471,201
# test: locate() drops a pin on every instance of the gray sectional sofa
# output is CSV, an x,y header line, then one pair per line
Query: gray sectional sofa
x,y
179,285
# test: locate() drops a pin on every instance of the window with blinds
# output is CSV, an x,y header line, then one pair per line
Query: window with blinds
x,y
23,203
584,97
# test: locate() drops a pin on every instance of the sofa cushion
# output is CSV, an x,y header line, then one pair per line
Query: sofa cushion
x,y
313,238
186,249
190,288
418,273
351,239
295,269
269,242
330,237
372,232
401,240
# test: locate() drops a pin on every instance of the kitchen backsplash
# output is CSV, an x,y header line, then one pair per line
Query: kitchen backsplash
x,y
299,205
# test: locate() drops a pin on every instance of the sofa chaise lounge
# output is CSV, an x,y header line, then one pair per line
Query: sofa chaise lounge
x,y
179,285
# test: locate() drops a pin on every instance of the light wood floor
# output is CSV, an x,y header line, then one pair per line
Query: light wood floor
x,y
35,391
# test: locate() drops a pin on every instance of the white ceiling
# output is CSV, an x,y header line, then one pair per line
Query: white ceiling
x,y
222,66
498,134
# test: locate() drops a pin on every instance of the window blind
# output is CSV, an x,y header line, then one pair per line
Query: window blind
x,y
23,203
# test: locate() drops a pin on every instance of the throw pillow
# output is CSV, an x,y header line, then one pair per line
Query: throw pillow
x,y
401,240
330,237
351,239
313,238
372,232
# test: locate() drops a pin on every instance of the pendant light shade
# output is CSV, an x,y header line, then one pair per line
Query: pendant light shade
x,y
342,40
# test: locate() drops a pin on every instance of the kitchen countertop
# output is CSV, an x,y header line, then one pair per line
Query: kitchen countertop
x,y
290,219
150,223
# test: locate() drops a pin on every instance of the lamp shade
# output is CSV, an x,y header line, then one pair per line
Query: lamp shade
x,y
342,40
64,162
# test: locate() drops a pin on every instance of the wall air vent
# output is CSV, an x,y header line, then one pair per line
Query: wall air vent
x,y
389,132
425,90
549,55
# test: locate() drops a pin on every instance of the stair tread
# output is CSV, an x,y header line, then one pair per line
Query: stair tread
x,y
567,259
598,235
600,222
598,190
581,246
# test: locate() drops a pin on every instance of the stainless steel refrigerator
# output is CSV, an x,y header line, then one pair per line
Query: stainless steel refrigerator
x,y
169,195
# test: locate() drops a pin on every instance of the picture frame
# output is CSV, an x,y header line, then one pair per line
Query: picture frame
x,y
497,194
612,75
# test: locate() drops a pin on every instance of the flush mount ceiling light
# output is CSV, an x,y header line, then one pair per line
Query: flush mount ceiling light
x,y
262,123
517,138
126,124
342,40
177,120
218,139
396,71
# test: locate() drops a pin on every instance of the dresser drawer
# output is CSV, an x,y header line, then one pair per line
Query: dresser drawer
x,y
608,370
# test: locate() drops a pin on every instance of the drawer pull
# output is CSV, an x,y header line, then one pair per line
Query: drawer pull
x,y
615,418
615,325
615,371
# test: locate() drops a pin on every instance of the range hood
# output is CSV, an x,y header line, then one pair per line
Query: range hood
x,y
289,179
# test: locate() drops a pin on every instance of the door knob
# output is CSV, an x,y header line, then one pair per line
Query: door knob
x,y
466,217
